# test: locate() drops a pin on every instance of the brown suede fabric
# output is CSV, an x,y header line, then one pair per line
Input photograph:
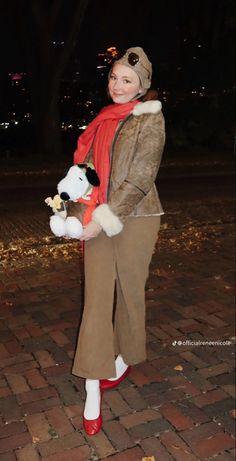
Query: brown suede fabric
x,y
121,261
135,160
136,155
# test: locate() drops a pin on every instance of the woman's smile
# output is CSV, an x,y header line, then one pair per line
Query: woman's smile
x,y
124,84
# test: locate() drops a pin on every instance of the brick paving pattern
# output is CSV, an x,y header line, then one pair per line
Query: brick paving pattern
x,y
177,406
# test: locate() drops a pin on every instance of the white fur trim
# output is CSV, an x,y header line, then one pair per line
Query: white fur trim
x,y
148,107
110,223
74,228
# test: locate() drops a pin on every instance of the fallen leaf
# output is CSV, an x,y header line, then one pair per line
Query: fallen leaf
x,y
35,439
178,368
52,431
178,447
148,458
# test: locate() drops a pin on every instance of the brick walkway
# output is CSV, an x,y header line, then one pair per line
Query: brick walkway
x,y
177,406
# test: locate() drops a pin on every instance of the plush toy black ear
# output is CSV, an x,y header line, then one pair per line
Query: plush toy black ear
x,y
92,177
83,166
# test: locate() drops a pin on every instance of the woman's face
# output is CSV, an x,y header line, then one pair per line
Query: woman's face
x,y
124,84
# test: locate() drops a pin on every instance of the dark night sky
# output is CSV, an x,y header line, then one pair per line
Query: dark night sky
x,y
190,43
124,23
151,24
158,25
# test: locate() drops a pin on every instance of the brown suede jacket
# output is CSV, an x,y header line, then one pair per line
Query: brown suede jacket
x,y
135,159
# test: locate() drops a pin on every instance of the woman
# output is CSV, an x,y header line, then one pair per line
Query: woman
x,y
125,143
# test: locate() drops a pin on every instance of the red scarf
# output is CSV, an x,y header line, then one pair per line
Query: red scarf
x,y
91,203
100,133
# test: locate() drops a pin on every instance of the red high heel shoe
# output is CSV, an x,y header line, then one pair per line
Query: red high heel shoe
x,y
108,384
93,426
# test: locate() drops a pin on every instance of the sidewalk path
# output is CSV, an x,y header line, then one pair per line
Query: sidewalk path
x,y
178,405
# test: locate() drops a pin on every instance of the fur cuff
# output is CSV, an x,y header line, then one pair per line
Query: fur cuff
x,y
107,219
148,107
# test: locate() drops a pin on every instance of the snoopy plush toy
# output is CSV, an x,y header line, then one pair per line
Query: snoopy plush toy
x,y
75,201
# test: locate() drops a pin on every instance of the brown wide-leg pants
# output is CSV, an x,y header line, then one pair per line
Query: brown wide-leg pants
x,y
122,263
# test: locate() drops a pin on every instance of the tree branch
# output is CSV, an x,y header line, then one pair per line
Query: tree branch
x,y
54,12
70,41
40,16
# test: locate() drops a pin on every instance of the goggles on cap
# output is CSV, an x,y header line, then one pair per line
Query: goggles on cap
x,y
133,59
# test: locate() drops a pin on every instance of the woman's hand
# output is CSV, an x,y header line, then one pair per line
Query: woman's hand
x,y
90,230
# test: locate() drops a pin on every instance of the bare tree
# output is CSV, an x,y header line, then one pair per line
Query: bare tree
x,y
39,21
